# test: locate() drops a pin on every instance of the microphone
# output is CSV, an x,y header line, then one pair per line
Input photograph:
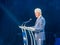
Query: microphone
x,y
30,19
27,21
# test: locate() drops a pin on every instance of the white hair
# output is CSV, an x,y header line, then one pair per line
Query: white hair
x,y
37,10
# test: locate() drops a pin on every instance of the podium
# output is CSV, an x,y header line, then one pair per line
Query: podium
x,y
24,34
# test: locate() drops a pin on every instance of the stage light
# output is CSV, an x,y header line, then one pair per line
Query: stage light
x,y
9,14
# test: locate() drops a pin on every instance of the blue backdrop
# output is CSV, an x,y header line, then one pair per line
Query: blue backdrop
x,y
15,12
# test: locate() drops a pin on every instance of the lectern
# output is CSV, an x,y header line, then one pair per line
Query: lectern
x,y
24,33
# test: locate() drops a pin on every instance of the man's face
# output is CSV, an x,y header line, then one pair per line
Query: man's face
x,y
37,14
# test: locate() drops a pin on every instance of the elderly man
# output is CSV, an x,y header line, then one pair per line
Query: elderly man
x,y
38,28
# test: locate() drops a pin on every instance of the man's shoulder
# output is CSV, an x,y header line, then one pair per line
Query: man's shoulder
x,y
42,18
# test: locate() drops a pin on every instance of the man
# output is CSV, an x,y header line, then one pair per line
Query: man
x,y
39,27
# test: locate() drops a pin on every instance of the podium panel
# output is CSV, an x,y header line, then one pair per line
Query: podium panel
x,y
25,37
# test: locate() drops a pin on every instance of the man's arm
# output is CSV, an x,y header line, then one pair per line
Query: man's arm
x,y
39,27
